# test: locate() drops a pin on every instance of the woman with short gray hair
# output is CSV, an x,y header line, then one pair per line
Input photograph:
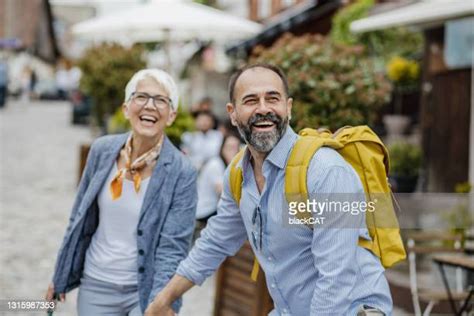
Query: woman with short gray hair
x,y
133,217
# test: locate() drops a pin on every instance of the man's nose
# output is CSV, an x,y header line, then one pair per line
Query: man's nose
x,y
263,107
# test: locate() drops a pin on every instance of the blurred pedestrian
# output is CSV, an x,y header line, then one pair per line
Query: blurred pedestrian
x,y
134,214
62,81
3,81
32,83
204,143
211,176
205,105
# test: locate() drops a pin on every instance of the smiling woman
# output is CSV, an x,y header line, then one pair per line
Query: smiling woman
x,y
128,231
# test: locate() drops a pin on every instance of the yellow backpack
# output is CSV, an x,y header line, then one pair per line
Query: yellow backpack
x,y
366,153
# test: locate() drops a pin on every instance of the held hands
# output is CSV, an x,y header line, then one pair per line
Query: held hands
x,y
159,309
161,305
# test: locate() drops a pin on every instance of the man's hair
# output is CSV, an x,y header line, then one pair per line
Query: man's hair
x,y
275,69
204,113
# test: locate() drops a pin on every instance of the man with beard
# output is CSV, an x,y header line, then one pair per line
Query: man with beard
x,y
308,271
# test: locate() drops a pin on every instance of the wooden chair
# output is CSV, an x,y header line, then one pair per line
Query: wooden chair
x,y
432,243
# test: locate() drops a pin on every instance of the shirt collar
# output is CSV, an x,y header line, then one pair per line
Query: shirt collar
x,y
279,154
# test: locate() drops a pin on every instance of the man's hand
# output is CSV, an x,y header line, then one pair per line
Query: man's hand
x,y
161,305
158,309
50,294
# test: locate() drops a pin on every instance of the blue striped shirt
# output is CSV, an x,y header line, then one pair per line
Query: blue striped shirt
x,y
308,272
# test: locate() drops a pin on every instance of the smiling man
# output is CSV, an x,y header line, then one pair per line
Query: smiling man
x,y
308,271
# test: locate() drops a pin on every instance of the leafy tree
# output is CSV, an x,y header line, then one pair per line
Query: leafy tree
x,y
106,70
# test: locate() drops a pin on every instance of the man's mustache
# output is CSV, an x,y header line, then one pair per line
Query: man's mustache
x,y
272,117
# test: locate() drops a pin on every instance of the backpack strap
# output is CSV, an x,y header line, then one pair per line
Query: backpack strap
x,y
306,146
235,176
235,182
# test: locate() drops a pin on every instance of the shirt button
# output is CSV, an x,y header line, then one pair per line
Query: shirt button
x,y
269,258
285,310
141,252
273,285
139,232
141,269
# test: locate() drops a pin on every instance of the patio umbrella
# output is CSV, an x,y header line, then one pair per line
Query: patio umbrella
x,y
166,20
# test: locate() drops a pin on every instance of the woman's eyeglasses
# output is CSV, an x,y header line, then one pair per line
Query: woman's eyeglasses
x,y
159,101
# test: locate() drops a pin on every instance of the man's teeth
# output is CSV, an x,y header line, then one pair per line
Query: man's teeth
x,y
263,124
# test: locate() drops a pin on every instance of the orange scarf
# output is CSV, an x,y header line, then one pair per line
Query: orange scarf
x,y
133,167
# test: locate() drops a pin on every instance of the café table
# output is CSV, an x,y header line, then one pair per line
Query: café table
x,y
464,262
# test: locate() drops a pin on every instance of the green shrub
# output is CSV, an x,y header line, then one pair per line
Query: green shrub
x,y
384,44
332,84
106,69
405,159
184,123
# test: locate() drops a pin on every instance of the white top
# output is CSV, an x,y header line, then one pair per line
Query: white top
x,y
211,175
201,147
112,254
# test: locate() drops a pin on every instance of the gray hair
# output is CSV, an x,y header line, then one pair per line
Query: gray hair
x,y
162,77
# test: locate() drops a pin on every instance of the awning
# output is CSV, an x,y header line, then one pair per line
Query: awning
x,y
287,21
423,14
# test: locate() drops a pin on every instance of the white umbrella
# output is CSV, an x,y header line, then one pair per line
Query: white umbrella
x,y
174,20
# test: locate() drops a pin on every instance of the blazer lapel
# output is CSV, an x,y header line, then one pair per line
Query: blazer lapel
x,y
107,158
160,173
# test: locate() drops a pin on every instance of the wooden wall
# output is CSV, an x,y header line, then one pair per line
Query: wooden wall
x,y
445,117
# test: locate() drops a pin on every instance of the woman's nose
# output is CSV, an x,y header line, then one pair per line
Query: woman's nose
x,y
149,104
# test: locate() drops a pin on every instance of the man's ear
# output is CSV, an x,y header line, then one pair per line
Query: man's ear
x,y
125,110
171,118
232,115
289,106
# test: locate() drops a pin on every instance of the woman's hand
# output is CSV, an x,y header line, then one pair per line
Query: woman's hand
x,y
157,309
50,294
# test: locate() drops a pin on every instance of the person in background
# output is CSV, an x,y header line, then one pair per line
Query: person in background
x,y
211,176
204,143
134,214
206,104
3,80
33,82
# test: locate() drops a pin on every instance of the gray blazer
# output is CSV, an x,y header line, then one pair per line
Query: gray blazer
x,y
165,226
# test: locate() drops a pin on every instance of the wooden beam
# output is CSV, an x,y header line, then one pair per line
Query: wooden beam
x,y
276,7
253,10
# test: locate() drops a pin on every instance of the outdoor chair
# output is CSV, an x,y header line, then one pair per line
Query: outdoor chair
x,y
430,243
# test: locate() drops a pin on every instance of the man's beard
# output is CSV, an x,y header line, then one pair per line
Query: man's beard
x,y
263,141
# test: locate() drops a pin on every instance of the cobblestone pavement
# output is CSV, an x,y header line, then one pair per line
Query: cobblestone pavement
x,y
39,156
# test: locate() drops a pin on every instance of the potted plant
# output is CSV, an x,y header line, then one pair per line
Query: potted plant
x,y
405,163
404,74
